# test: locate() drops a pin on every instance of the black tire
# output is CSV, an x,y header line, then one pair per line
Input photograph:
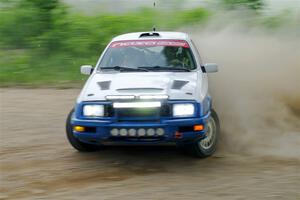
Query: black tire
x,y
196,148
79,146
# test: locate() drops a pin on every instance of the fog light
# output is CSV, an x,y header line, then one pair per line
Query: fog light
x,y
132,132
114,132
141,132
123,132
150,132
78,128
160,131
198,127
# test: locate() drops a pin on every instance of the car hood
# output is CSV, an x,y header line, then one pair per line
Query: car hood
x,y
177,85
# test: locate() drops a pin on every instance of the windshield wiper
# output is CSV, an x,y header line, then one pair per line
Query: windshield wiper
x,y
121,68
157,67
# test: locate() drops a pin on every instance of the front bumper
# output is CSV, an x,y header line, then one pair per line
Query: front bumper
x,y
175,130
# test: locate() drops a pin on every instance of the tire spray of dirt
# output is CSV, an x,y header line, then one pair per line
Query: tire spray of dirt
x,y
257,89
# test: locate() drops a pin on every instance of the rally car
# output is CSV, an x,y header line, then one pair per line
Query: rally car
x,y
146,88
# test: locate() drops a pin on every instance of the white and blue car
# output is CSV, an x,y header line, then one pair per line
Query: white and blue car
x,y
146,88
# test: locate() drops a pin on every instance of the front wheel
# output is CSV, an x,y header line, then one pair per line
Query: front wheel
x,y
207,146
80,146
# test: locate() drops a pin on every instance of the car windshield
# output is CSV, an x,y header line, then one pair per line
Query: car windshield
x,y
148,55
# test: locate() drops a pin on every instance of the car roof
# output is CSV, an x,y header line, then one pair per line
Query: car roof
x,y
148,35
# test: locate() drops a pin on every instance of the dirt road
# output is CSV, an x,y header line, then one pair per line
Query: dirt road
x,y
38,163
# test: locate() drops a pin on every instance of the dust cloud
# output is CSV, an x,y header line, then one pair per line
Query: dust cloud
x,y
257,89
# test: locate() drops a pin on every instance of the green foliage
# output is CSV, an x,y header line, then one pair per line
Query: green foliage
x,y
251,4
277,21
42,43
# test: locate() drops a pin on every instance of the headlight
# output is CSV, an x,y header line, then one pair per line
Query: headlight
x,y
93,110
183,110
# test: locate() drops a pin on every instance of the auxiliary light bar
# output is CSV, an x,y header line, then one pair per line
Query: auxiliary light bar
x,y
137,105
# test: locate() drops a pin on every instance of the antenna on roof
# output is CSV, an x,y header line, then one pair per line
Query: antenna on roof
x,y
154,28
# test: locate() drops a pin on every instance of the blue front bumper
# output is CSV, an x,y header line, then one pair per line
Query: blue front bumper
x,y
101,130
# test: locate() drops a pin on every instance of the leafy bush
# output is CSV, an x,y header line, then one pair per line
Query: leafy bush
x,y
251,4
43,43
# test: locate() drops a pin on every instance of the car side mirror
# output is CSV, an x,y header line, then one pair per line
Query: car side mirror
x,y
210,67
86,69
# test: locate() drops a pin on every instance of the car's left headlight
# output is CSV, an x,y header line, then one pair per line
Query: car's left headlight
x,y
93,110
183,110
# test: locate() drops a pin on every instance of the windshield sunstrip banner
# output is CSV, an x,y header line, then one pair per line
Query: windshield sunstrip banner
x,y
134,43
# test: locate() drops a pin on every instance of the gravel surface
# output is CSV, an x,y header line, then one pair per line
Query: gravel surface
x,y
38,163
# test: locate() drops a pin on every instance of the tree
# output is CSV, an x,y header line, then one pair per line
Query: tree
x,y
45,11
251,4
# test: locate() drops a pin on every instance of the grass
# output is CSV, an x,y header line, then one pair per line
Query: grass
x,y
52,58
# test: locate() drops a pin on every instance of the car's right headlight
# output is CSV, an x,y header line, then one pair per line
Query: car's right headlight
x,y
183,110
93,110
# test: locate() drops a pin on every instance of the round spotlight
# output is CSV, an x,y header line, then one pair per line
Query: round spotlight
x,y
141,132
132,132
150,132
123,132
160,132
114,132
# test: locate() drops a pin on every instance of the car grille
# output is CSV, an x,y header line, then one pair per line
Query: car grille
x,y
138,114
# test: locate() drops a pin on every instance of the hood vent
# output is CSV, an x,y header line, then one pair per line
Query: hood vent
x,y
104,85
177,84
